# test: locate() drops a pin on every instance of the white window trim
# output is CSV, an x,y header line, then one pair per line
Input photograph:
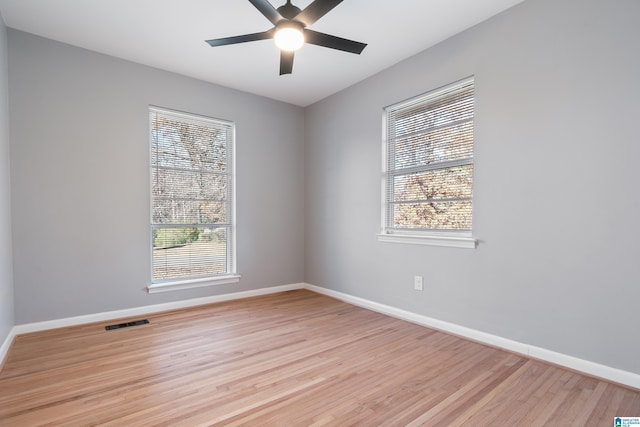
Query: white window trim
x,y
429,240
454,239
200,282
194,283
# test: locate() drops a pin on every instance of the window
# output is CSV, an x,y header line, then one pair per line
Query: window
x,y
192,200
428,170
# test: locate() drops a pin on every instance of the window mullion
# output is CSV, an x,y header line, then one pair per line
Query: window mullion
x,y
432,166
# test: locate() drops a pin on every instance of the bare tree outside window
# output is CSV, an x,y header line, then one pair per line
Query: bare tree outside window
x,y
191,196
429,170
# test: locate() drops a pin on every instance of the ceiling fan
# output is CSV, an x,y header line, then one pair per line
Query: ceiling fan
x,y
290,30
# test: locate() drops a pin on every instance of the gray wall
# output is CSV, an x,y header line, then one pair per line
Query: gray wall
x,y
555,182
556,196
80,180
6,262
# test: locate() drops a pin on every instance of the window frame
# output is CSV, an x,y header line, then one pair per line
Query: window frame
x,y
230,276
432,237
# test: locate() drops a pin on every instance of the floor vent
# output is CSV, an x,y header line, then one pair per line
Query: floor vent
x,y
124,325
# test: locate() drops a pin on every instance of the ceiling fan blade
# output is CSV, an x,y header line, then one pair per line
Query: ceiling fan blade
x,y
315,11
333,42
241,39
267,10
286,62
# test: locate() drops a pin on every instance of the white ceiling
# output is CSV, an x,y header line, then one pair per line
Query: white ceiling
x,y
170,34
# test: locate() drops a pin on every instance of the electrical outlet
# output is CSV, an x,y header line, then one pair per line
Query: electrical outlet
x,y
417,283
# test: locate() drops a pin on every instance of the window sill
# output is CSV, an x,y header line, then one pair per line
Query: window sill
x,y
190,284
450,241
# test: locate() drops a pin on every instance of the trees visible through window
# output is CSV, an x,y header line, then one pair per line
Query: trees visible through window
x,y
191,196
429,163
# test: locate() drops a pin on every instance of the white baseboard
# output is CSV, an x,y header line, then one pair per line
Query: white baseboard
x,y
590,368
4,348
587,367
148,309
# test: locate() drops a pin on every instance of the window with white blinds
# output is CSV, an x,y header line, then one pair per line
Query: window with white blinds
x,y
192,206
429,164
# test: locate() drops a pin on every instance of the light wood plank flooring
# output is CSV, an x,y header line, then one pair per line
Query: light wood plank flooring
x,y
290,359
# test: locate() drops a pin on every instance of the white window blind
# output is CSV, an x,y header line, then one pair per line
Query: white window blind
x,y
429,163
192,206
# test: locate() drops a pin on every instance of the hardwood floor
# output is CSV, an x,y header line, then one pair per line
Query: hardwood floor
x,y
289,359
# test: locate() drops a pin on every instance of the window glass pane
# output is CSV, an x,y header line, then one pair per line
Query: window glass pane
x,y
435,113
193,184
184,145
189,252
443,144
433,215
448,183
175,211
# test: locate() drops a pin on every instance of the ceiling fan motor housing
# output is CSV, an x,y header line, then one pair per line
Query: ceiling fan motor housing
x,y
289,11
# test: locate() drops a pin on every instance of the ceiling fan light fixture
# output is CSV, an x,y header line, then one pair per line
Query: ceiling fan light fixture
x,y
291,31
289,36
